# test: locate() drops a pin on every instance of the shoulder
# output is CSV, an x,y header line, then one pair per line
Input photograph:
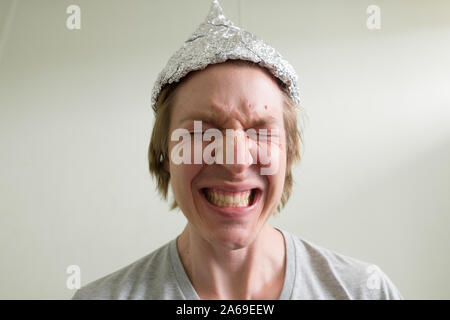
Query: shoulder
x,y
332,275
138,280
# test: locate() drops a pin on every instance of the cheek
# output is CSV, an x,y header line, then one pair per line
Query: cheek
x,y
279,161
182,175
271,155
277,178
181,180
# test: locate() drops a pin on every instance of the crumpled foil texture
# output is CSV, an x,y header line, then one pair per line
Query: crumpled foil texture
x,y
217,40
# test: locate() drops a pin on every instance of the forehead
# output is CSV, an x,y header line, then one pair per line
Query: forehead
x,y
228,92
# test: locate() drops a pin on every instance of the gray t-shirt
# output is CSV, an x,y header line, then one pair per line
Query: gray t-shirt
x,y
312,272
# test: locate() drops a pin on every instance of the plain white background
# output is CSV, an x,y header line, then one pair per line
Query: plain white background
x,y
75,123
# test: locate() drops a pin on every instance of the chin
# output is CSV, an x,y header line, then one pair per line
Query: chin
x,y
233,237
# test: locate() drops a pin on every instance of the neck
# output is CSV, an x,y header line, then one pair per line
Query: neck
x,y
253,272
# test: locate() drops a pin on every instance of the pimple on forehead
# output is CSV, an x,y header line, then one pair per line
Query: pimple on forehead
x,y
248,105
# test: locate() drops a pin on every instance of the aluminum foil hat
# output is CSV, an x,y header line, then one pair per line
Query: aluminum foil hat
x,y
217,40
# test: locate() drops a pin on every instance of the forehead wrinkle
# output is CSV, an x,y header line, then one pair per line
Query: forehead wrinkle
x,y
258,118
248,117
220,116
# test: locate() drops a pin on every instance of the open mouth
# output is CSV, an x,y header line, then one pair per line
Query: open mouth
x,y
225,199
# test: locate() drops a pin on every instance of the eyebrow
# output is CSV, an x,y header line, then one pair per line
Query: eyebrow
x,y
203,117
208,118
264,121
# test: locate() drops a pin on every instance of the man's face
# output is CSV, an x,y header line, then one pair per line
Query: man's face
x,y
228,204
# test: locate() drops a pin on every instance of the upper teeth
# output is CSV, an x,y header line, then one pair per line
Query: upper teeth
x,y
228,199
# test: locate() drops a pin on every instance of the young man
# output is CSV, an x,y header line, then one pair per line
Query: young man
x,y
225,138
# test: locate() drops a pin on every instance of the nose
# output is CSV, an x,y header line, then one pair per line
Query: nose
x,y
237,153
